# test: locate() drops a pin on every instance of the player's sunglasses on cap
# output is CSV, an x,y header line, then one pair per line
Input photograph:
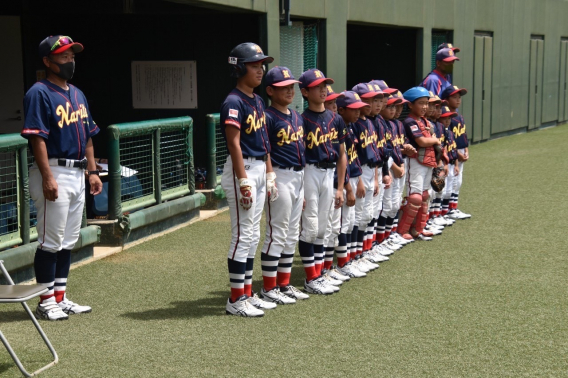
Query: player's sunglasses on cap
x,y
446,55
331,95
384,86
57,44
452,90
280,77
366,90
448,46
350,100
446,112
313,77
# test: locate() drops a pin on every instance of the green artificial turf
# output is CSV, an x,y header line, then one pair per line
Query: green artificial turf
x,y
488,298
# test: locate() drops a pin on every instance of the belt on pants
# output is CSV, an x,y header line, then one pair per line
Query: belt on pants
x,y
69,163
324,165
263,157
295,168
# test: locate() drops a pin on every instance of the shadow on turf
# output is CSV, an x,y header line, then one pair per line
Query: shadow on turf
x,y
14,316
214,305
6,366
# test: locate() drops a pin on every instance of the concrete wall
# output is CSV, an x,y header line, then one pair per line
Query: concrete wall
x,y
512,22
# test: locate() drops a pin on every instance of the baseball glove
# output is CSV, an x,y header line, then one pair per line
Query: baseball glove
x,y
439,153
438,179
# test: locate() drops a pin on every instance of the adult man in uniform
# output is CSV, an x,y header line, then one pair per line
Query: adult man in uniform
x,y
59,127
440,78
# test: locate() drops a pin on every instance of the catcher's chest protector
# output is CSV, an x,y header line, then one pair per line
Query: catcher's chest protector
x,y
425,155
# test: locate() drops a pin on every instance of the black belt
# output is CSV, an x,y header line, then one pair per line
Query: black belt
x,y
324,165
371,165
263,157
72,163
295,168
453,161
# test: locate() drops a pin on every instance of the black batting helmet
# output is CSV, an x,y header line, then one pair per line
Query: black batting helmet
x,y
247,52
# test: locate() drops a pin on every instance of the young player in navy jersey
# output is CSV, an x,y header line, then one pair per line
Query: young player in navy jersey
x,y
329,271
420,166
286,132
321,128
453,96
349,108
370,159
391,197
385,152
452,156
248,176
59,127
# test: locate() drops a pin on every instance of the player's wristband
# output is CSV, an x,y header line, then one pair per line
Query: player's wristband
x,y
96,172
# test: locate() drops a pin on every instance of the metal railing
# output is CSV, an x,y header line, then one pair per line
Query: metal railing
x,y
16,221
149,162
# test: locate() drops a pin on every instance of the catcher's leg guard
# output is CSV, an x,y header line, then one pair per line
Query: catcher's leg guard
x,y
409,213
422,216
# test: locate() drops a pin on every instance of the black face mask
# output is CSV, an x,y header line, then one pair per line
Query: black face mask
x,y
66,70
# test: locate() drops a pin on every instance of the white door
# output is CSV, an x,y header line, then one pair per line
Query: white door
x,y
11,65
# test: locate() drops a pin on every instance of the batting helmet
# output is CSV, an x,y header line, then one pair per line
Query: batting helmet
x,y
416,92
246,53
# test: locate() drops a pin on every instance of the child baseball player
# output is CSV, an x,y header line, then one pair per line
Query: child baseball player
x,y
247,175
331,238
368,154
420,166
321,128
285,132
452,155
349,106
453,96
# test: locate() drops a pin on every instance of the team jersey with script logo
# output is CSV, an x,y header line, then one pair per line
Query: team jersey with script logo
x,y
61,117
323,132
286,133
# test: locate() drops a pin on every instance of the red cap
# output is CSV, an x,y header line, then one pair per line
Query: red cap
x,y
331,95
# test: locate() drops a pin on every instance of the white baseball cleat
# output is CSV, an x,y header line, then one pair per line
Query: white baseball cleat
x,y
330,280
71,308
462,214
360,265
439,221
293,292
351,271
242,307
367,262
275,296
375,257
49,310
259,303
317,286
423,238
336,275
449,220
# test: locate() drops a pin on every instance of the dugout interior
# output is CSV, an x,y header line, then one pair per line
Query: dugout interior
x,y
383,53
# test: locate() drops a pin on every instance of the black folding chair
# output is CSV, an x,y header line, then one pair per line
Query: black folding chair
x,y
21,293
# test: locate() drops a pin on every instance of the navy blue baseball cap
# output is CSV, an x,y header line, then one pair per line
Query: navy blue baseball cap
x,y
447,55
366,90
313,77
350,100
384,86
452,90
280,77
448,46
331,95
415,93
56,44
446,112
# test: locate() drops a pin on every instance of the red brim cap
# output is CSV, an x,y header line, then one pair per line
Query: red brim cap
x,y
333,96
357,105
370,94
285,83
435,100
394,101
327,80
455,49
461,91
450,114
450,59
390,90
